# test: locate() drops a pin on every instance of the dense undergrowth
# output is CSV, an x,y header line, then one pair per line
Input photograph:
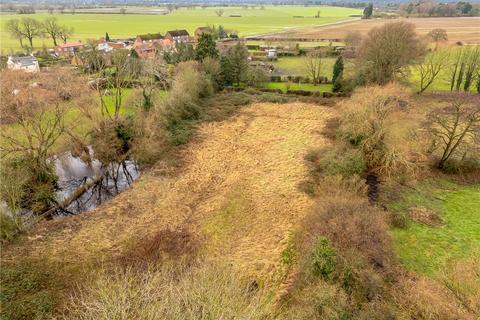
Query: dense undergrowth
x,y
342,262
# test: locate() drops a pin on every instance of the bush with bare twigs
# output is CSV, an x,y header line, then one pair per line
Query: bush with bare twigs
x,y
370,121
37,105
172,292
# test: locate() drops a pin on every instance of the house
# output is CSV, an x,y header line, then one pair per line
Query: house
x,y
201,30
110,46
178,36
27,63
68,49
147,45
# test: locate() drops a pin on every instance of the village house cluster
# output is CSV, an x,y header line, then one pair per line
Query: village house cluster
x,y
146,46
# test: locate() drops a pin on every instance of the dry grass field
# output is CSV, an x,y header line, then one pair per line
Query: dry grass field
x,y
236,192
466,30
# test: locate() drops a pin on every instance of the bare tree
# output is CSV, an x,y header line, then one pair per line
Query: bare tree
x,y
219,12
25,28
154,75
387,50
313,65
455,127
430,67
438,35
65,32
52,28
37,105
121,71
13,27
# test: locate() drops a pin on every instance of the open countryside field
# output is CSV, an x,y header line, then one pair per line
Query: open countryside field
x,y
466,30
250,22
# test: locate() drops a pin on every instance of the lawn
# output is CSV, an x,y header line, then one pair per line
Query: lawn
x,y
296,66
441,83
300,86
427,250
252,21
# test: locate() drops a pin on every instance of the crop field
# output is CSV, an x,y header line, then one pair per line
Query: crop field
x,y
244,21
466,30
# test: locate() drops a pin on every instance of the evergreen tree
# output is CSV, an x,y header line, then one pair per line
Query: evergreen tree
x,y
107,37
368,11
206,47
337,69
337,75
221,32
238,56
226,72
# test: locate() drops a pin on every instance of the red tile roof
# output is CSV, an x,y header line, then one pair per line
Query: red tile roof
x,y
70,44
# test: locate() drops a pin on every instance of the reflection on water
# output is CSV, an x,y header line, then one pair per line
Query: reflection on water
x,y
73,173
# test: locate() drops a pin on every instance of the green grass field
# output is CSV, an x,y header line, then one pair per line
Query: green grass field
x,y
301,86
427,250
252,21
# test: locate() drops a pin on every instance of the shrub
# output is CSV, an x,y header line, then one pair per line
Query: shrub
x,y
352,226
317,300
27,291
256,77
149,141
184,105
370,120
272,98
322,259
10,225
174,292
340,160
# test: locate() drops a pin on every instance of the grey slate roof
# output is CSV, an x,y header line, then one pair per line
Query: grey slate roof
x,y
178,33
24,61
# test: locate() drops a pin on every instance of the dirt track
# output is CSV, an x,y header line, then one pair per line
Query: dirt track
x,y
238,189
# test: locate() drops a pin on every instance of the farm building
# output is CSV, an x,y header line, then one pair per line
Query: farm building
x,y
28,63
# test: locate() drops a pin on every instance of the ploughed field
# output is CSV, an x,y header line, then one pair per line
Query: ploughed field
x,y
244,21
466,30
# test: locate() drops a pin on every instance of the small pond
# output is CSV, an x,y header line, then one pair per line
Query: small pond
x,y
73,173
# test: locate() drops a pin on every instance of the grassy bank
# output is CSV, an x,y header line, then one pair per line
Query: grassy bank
x,y
428,249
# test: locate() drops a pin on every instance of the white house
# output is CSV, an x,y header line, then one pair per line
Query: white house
x,y
27,63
